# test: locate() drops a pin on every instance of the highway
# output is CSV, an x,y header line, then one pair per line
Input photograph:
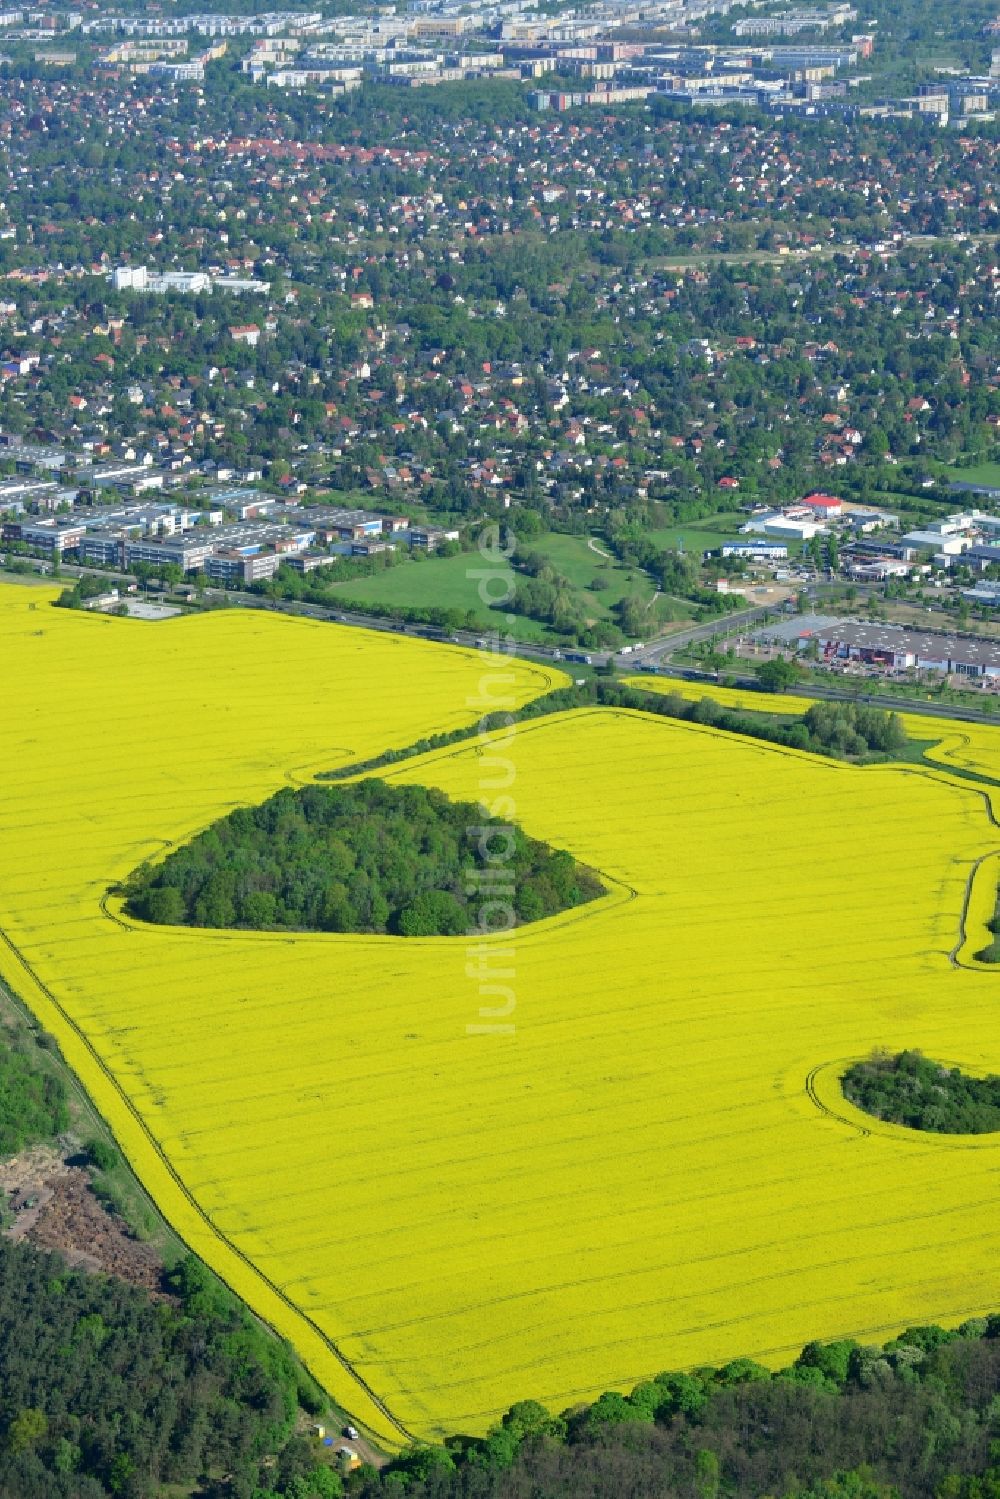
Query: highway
x,y
652,654
661,649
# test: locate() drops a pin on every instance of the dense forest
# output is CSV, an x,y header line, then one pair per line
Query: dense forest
x,y
915,1419
912,1090
32,1101
105,1391
367,857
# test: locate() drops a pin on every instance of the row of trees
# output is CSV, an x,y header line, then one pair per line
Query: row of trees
x,y
844,731
913,1419
878,737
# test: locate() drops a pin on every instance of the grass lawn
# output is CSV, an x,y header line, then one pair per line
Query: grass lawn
x,y
673,610
702,535
575,558
445,582
346,499
884,499
577,561
30,579
983,473
584,568
433,582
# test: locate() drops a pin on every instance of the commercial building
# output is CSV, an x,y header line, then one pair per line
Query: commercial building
x,y
189,553
50,536
983,593
246,504
243,551
796,632
824,506
186,283
103,549
189,283
307,562
785,527
249,537
43,494
939,542
988,491
861,519
127,478
896,648
761,551
158,519
29,456
241,285
370,546
979,558
430,537
237,567
129,278
343,525
866,550
876,569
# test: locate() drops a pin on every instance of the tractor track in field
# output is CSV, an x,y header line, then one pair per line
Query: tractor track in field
x,y
825,1108
196,1207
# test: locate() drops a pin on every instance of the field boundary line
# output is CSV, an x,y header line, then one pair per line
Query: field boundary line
x,y
955,956
202,1217
825,1108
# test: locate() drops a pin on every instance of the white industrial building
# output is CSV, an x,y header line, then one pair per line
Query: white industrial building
x,y
940,542
186,283
753,550
787,528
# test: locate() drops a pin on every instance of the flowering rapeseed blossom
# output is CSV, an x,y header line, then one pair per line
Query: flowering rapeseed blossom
x,y
652,1167
745,699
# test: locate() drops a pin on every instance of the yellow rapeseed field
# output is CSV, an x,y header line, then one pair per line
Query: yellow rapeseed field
x,y
743,698
964,746
650,1166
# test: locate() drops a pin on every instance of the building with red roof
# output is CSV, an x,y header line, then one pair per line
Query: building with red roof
x,y
824,504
